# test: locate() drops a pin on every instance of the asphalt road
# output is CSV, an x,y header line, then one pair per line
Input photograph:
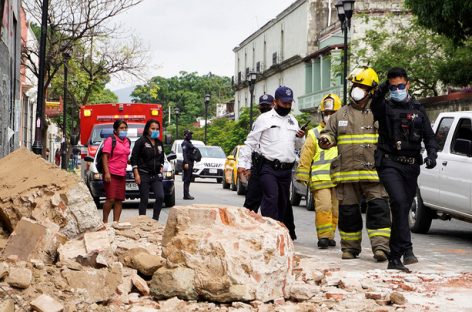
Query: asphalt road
x,y
447,246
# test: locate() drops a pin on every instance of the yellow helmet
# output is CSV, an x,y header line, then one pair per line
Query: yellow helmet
x,y
330,102
365,76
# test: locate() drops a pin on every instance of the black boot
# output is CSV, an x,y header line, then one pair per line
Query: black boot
x,y
396,264
409,257
189,197
323,243
332,243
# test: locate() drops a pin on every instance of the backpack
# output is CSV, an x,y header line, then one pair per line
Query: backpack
x,y
99,156
196,155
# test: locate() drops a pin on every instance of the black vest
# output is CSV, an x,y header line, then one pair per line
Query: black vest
x,y
403,131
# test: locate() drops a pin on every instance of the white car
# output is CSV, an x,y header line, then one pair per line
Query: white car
x,y
445,192
211,165
177,150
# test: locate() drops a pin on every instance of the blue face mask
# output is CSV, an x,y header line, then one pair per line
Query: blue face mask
x,y
398,95
122,134
155,134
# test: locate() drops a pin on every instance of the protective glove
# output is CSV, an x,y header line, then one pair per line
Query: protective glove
x,y
430,162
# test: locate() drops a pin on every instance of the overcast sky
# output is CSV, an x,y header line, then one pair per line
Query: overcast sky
x,y
195,35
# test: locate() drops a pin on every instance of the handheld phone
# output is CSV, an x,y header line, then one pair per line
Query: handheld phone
x,y
305,125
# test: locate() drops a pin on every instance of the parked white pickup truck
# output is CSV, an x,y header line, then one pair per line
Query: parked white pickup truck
x,y
445,192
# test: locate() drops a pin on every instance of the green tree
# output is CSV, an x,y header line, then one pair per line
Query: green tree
x,y
425,55
185,91
451,18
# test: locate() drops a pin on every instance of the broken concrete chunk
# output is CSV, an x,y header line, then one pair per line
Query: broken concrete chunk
x,y
19,277
46,303
397,298
7,305
227,254
140,284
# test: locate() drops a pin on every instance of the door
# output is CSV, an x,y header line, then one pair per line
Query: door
x,y
428,179
456,172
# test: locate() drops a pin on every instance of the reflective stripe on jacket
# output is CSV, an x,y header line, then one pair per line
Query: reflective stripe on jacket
x,y
321,164
356,136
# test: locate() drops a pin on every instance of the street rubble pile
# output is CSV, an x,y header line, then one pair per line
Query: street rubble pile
x,y
56,255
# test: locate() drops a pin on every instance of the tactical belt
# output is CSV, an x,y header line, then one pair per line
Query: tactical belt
x,y
402,159
277,165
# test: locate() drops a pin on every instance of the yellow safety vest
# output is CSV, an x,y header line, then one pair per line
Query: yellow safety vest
x,y
321,164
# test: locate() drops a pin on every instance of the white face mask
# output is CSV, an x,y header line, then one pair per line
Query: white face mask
x,y
326,119
357,94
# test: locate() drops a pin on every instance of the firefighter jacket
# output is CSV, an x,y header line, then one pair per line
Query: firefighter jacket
x,y
315,160
355,135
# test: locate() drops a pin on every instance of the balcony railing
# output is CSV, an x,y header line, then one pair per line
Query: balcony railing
x,y
311,101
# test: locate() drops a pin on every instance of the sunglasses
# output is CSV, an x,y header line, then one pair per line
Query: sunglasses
x,y
400,86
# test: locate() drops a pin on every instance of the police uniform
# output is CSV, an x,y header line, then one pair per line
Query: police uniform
x,y
402,128
254,188
275,138
352,129
187,149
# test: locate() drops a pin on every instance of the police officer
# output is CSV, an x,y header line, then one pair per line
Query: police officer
x,y
276,135
187,149
254,189
403,125
314,169
352,129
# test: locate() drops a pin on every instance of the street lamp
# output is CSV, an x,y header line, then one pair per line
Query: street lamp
x,y
251,79
207,101
345,9
177,113
66,58
38,145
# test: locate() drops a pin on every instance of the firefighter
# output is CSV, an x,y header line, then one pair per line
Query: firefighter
x,y
318,161
403,125
353,131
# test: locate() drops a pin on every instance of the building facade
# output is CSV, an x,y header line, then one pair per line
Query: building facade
x,y
10,60
302,48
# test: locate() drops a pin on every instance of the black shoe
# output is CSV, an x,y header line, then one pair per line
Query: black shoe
x,y
332,243
293,236
189,197
396,264
409,257
323,243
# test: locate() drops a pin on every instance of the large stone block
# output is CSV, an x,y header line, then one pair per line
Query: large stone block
x,y
32,240
33,188
223,254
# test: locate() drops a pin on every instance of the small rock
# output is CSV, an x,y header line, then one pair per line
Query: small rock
x,y
373,295
121,225
301,291
335,296
317,276
3,270
38,264
7,305
20,278
397,298
279,301
140,284
45,303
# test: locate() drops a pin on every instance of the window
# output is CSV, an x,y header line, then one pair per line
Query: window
x,y
239,77
258,67
463,132
274,58
247,73
442,131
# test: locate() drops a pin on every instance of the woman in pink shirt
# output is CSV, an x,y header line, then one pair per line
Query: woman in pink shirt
x,y
115,160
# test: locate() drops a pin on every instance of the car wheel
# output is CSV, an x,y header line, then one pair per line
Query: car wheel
x,y
234,187
96,200
240,189
310,201
295,198
219,180
169,200
224,183
420,216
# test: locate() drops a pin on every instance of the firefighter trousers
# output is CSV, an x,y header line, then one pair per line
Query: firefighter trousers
x,y
378,220
326,215
400,181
